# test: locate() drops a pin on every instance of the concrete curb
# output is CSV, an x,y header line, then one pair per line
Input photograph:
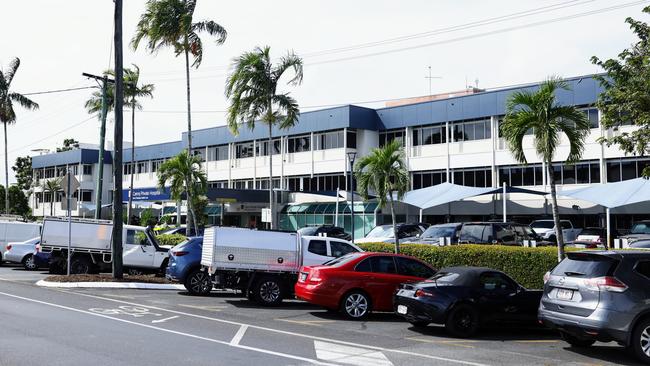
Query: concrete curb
x,y
114,285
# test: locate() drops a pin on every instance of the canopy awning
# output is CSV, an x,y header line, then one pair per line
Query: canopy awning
x,y
442,193
612,195
511,189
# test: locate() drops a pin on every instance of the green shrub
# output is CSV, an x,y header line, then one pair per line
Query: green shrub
x,y
525,265
170,239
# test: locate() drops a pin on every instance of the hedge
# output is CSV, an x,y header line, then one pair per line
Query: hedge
x,y
525,265
170,239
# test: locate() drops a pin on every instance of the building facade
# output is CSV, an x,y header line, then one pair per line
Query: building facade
x,y
453,139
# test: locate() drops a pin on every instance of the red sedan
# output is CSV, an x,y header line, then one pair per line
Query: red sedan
x,y
359,283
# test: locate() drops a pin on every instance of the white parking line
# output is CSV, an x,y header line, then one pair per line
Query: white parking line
x,y
382,349
254,349
239,335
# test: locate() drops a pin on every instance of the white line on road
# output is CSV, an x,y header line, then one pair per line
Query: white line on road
x,y
260,350
382,349
164,320
239,335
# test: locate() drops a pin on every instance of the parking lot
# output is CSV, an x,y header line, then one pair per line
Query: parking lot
x,y
147,327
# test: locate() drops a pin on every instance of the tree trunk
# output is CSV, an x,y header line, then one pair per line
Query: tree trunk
x,y
6,173
392,214
556,214
52,200
128,208
271,174
188,221
189,110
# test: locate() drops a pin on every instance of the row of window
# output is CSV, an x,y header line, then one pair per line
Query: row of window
x,y
624,169
295,144
86,196
472,177
531,175
142,167
60,171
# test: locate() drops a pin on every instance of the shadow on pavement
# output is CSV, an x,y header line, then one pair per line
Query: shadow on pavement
x,y
504,333
372,317
608,353
285,305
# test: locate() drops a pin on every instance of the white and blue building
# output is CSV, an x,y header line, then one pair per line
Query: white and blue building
x,y
451,138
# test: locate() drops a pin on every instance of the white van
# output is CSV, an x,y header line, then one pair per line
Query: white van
x,y
12,231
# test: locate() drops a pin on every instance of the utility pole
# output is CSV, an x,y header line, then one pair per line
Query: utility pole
x,y
117,152
102,136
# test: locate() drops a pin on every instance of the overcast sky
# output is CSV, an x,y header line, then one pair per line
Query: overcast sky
x,y
467,40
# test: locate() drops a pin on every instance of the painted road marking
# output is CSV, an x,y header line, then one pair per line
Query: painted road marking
x,y
254,349
538,341
239,335
134,311
215,308
316,323
224,321
350,355
164,320
457,343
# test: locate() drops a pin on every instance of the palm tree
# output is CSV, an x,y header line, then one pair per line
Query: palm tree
x,y
184,174
53,186
384,171
540,111
7,113
169,23
252,89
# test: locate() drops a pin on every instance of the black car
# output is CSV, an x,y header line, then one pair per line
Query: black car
x,y
502,233
327,230
465,299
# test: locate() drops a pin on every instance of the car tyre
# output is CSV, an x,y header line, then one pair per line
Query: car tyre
x,y
463,321
198,283
29,263
575,341
80,265
356,305
268,291
641,341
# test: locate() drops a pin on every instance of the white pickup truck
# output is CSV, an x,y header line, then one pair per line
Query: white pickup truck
x,y
264,265
91,247
546,230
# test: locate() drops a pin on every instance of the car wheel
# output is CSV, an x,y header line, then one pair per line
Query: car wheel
x,y
80,265
463,321
575,341
355,305
419,324
57,266
198,283
641,341
29,263
268,291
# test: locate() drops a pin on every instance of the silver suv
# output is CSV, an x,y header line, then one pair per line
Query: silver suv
x,y
600,296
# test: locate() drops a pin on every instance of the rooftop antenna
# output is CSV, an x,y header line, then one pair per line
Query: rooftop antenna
x,y
430,78
476,82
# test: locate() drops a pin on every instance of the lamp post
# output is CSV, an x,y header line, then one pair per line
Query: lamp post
x,y
351,156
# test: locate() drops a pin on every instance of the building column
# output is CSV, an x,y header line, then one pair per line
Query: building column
x,y
447,143
494,126
255,164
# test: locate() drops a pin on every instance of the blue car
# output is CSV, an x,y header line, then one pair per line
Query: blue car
x,y
42,259
185,266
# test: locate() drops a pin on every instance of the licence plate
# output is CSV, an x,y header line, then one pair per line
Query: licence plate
x,y
564,294
303,277
402,309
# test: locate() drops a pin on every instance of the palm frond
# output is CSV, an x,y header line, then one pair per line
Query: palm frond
x,y
23,101
290,61
11,71
212,28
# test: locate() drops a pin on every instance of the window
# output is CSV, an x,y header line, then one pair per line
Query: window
x,y
339,249
388,136
318,247
299,144
364,266
474,233
352,139
413,268
408,231
88,169
200,152
218,184
475,130
628,170
262,148
592,116
428,179
218,153
566,225
429,135
155,165
568,174
86,196
643,268
493,281
142,167
381,264
244,150
329,140
49,173
134,237
504,234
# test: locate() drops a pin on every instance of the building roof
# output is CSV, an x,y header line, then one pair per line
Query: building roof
x,y
76,156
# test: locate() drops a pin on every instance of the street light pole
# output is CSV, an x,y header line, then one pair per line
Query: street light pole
x,y
351,156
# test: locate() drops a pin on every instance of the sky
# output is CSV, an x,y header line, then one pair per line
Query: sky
x,y
355,52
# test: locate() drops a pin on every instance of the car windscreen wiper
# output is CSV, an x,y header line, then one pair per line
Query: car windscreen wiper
x,y
571,273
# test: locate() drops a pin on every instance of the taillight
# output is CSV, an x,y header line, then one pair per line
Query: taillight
x,y
606,283
421,293
316,277
38,248
547,276
180,253
8,247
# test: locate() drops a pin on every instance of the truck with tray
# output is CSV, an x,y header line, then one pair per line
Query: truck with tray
x,y
91,247
264,265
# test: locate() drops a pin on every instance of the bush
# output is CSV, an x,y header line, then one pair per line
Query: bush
x,y
170,239
525,265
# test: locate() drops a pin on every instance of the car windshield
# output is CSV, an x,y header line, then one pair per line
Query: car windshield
x,y
445,277
640,228
585,265
381,232
308,231
542,225
337,262
591,231
435,232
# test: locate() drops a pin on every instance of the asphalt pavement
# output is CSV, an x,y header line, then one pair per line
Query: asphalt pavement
x,y
43,326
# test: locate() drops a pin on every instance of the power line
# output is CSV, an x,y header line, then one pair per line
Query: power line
x,y
53,134
59,90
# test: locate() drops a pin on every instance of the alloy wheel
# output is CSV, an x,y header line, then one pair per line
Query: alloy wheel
x,y
269,291
356,305
645,341
199,283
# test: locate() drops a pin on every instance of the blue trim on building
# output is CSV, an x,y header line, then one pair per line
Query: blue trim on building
x,y
152,152
76,156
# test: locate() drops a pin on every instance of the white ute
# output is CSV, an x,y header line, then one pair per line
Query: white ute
x,y
264,264
546,230
91,247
